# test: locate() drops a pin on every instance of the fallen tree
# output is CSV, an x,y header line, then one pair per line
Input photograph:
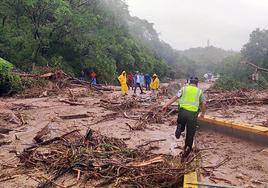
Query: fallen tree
x,y
53,81
255,66
60,75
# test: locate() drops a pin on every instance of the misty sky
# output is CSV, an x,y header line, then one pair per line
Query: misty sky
x,y
190,23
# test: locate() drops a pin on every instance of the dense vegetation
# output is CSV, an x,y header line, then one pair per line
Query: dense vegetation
x,y
80,35
73,35
92,34
9,83
237,75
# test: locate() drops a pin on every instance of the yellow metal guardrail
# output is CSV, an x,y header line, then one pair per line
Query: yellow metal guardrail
x,y
190,180
258,130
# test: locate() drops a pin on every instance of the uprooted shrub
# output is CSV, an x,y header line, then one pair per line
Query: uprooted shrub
x,y
9,83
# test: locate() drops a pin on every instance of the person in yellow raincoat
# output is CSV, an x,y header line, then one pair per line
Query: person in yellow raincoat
x,y
155,83
123,82
154,86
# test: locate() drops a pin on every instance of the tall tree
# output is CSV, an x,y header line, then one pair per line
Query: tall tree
x,y
256,50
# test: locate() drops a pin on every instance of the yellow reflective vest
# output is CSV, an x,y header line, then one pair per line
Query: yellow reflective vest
x,y
190,98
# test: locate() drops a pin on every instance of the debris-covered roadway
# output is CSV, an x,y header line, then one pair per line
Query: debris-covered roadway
x,y
44,141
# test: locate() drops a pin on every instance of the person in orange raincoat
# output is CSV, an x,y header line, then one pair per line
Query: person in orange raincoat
x,y
123,82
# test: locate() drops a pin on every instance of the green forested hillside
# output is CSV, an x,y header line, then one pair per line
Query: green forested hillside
x,y
236,74
74,35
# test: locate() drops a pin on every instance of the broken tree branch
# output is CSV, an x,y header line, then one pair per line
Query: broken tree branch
x,y
71,102
44,131
5,131
130,127
128,117
75,116
255,66
52,140
219,164
150,142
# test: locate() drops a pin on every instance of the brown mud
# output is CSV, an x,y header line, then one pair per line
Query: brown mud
x,y
246,165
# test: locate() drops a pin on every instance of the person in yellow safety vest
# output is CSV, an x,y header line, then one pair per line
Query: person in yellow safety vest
x,y
123,82
191,99
155,83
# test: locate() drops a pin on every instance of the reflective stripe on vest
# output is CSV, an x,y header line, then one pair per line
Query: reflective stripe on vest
x,y
190,98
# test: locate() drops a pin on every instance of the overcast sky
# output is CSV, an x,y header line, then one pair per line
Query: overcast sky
x,y
190,23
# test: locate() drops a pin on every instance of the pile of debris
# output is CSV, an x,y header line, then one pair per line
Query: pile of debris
x,y
119,105
154,115
218,99
127,108
101,161
53,82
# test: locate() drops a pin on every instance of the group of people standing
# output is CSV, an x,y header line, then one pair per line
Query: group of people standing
x,y
127,81
138,80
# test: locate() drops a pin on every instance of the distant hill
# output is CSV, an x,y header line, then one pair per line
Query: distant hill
x,y
208,55
194,61
207,58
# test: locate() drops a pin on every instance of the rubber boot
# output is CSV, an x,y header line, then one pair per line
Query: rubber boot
x,y
185,153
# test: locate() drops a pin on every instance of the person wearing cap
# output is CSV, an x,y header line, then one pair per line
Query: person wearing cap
x,y
123,82
191,99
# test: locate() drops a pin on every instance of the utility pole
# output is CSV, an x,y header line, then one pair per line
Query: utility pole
x,y
208,43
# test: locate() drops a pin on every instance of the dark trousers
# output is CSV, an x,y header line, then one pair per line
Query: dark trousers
x,y
130,84
188,120
147,86
138,85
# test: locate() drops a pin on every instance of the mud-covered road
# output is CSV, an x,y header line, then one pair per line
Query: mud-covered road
x,y
246,164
